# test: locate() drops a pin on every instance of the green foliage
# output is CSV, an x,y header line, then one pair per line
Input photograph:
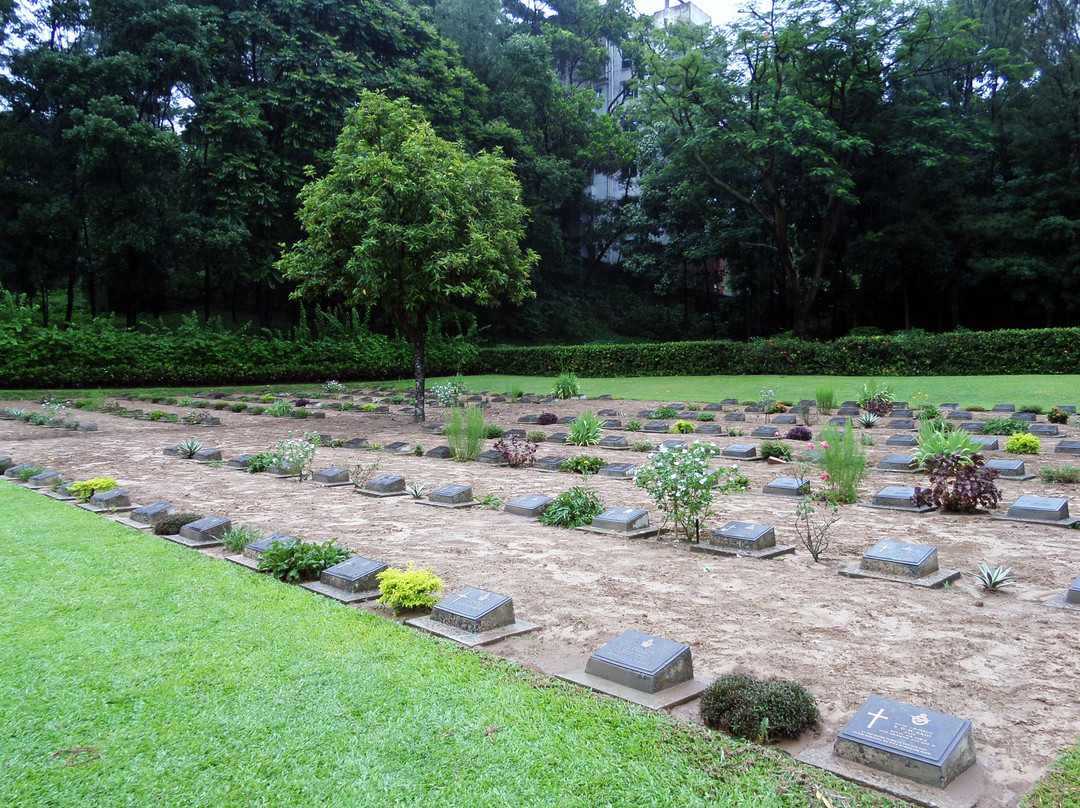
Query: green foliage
x,y
683,486
237,537
1057,416
155,415
294,560
1034,409
448,392
585,430
189,447
490,501
843,464
582,464
632,426
573,508
993,579
682,428
566,385
293,455
1061,474
1003,426
758,709
492,431
958,483
266,398
409,588
641,446
868,420
707,416
826,399
239,406
1023,444
536,436
465,431
172,525
776,448
84,489
936,439
26,472
664,413
369,407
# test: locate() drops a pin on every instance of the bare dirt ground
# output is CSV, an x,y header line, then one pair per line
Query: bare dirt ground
x,y
1005,661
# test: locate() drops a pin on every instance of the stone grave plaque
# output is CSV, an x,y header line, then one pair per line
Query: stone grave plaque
x,y
1072,595
207,455
531,506
150,515
838,421
611,423
251,554
709,429
687,416
754,408
644,414
900,559
492,457
399,447
1069,447
117,499
451,495
974,427
439,453
355,443
949,405
901,423
676,405
655,426
620,471
614,442
730,402
1025,417
351,581
642,662
433,427
712,408
903,412
898,498
904,463
605,397
567,419
787,487
240,461
1009,469
1004,408
739,451
674,445
798,409
385,485
1050,510
747,537
622,520
331,476
765,432
735,416
985,443
958,415
607,413
88,427
548,463
850,411
205,532
558,437
474,610
514,433
6,462
785,419
45,479
1043,429
1067,408
910,742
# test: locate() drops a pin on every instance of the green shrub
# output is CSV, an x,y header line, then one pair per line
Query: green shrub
x,y
238,406
632,426
825,398
641,446
536,436
1023,444
266,398
83,490
1061,474
492,431
258,409
1035,409
582,464
1003,426
776,448
693,407
409,588
573,508
665,413
747,707
369,407
172,525
279,409
1057,416
707,416
936,438
26,472
237,537
843,464
465,432
155,415
398,399
681,428
585,430
566,386
294,560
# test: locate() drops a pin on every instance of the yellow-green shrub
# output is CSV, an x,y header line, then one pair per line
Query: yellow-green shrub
x,y
82,491
1022,443
409,588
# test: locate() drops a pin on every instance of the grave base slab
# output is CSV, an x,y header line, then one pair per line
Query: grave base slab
x,y
934,580
1059,602
381,494
86,506
964,792
911,509
660,700
340,595
194,544
57,496
766,552
143,526
451,505
244,561
1072,521
641,533
330,485
468,638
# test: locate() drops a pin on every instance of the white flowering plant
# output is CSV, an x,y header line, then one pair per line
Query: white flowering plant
x,y
683,485
296,455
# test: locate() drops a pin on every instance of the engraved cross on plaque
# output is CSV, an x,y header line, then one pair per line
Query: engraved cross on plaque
x,y
461,596
880,714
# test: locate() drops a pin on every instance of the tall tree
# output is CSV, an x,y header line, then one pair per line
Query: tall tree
x,y
409,222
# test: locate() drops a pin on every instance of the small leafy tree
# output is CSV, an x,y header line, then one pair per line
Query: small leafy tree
x,y
410,222
683,486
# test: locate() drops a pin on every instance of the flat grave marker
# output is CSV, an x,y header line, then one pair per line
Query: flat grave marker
x,y
205,532
548,464
351,581
1069,599
252,553
6,462
743,539
765,432
786,487
902,562
240,461
450,496
740,451
207,456
902,440
146,516
735,417
399,448
900,463
631,523
972,427
709,429
1009,469
1040,510
674,445
385,485
785,419
1046,430
355,443
440,453
331,477
473,617
849,411
611,423
531,506
901,423
492,457
903,412
45,479
1004,408
614,442
985,443
655,426
1068,447
898,498
1025,417
558,437
116,500
620,471
648,670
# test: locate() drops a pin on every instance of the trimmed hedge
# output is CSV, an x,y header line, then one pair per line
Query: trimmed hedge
x,y
912,353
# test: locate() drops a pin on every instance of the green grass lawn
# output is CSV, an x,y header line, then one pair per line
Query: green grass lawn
x,y
167,678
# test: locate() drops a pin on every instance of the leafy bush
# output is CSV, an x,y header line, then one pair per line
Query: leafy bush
x,y
369,407
398,399
800,433
632,426
448,392
1034,409
747,707
196,417
26,472
566,386
516,453
155,415
578,506
548,418
641,446
409,588
775,448
1057,416
536,435
294,455
1003,426
220,405
1023,444
265,399
664,413
279,409
582,464
1061,474
294,560
936,438
465,432
959,483
585,430
237,537
85,489
492,431
876,398
843,464
682,428
239,406
172,525
707,416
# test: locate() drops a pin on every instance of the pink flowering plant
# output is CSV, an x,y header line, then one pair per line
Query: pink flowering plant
x,y
843,465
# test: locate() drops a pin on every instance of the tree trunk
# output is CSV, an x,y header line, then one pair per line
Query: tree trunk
x,y
418,369
73,274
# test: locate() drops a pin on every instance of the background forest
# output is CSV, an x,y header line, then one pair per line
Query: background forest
x,y
817,167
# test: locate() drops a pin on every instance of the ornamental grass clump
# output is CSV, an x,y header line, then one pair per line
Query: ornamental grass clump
x,y
775,448
465,432
585,430
566,386
237,537
843,464
683,486
758,709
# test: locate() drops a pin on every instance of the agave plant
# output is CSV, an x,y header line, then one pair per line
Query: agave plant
x,y
189,447
869,420
416,490
993,579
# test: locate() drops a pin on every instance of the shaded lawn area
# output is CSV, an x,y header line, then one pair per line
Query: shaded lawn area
x,y
167,678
